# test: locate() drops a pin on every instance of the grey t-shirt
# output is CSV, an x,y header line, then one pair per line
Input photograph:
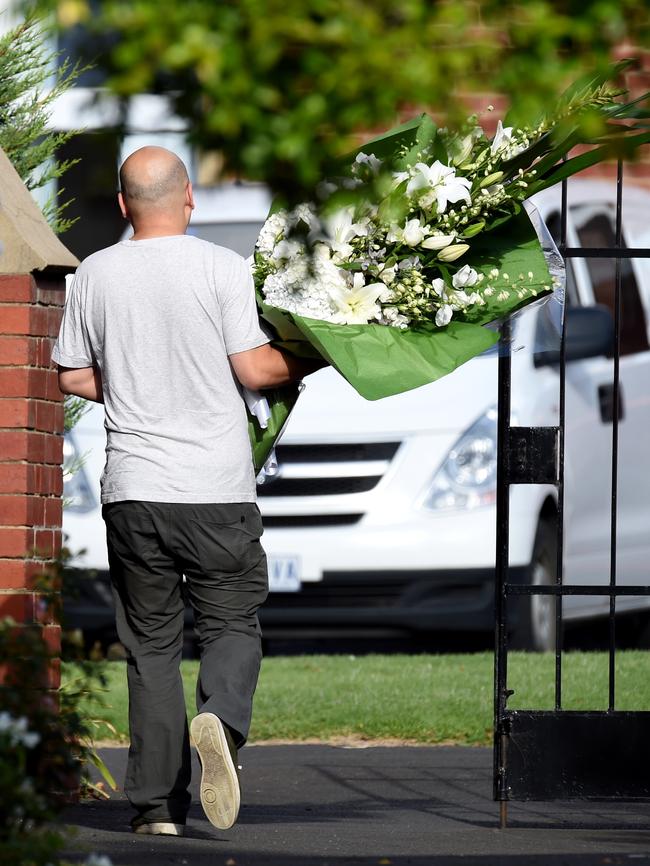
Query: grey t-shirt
x,y
160,317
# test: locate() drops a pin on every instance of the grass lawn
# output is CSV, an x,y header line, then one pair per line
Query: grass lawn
x,y
419,698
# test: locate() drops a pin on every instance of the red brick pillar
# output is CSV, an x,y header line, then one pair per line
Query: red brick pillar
x,y
33,265
31,449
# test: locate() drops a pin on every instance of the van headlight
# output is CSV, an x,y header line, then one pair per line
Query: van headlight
x,y
77,492
468,475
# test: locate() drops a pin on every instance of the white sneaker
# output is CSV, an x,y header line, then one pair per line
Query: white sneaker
x,y
159,828
220,795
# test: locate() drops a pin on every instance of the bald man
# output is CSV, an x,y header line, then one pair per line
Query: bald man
x,y
163,329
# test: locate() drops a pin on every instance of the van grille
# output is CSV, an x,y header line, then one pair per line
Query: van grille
x,y
324,469
318,486
336,453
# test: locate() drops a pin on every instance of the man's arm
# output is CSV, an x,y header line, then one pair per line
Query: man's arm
x,y
267,367
83,382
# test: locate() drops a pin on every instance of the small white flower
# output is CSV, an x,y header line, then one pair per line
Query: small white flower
x,y
391,316
387,274
443,316
304,213
438,286
465,277
413,233
285,250
273,229
370,160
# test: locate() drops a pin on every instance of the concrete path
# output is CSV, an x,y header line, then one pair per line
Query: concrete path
x,y
307,805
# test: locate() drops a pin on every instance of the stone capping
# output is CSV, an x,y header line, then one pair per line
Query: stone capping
x,y
27,243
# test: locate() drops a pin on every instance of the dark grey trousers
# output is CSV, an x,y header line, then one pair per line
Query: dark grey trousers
x,y
151,545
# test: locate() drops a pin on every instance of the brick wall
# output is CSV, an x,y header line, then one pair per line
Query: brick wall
x,y
31,449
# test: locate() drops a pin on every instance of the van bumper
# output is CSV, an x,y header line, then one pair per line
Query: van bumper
x,y
422,600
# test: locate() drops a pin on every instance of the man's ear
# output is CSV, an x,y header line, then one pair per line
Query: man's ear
x,y
189,196
123,208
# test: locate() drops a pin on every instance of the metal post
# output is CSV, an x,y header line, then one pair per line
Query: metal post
x,y
501,575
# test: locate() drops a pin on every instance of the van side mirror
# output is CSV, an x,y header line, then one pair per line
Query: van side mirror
x,y
589,334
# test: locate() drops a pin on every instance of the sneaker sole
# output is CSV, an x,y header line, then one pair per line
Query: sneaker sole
x,y
220,796
160,828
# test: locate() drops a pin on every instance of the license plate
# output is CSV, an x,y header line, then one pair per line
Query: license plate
x,y
284,573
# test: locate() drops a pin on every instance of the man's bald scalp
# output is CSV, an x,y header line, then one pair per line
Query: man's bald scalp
x,y
151,174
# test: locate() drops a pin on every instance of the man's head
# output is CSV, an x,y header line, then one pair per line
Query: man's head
x,y
156,193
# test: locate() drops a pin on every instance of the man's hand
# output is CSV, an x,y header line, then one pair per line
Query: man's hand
x,y
268,367
83,382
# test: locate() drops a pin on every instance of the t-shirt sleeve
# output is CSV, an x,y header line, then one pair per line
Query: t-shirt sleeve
x,y
241,324
73,347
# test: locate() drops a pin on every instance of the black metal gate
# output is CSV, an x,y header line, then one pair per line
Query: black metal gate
x,y
563,753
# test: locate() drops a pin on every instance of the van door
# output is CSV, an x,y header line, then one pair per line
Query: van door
x,y
590,412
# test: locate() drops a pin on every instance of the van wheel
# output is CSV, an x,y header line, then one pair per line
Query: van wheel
x,y
535,626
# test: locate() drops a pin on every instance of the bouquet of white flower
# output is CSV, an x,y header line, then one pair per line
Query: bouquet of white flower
x,y
423,240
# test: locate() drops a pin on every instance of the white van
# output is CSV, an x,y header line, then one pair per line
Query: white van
x,y
383,513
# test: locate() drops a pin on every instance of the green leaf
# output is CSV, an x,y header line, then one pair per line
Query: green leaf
x,y
106,774
619,148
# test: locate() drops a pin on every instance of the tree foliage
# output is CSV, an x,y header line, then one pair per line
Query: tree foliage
x,y
28,89
281,87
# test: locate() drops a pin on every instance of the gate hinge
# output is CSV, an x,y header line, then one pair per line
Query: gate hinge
x,y
533,456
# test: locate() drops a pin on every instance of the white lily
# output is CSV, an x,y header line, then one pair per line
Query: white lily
x,y
341,230
437,242
357,305
503,143
440,184
453,252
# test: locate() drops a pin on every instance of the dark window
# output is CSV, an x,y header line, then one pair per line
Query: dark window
x,y
598,232
92,185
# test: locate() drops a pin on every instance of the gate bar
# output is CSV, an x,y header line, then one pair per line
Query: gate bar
x,y
501,575
559,566
615,423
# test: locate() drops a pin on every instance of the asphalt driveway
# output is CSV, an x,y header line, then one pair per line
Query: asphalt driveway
x,y
315,805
